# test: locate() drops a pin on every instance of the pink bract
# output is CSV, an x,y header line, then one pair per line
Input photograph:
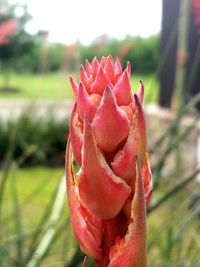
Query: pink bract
x,y
108,195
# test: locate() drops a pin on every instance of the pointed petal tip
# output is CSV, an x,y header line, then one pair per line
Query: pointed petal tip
x,y
108,91
122,89
85,105
137,101
74,85
128,67
100,82
109,120
81,67
141,83
71,79
140,92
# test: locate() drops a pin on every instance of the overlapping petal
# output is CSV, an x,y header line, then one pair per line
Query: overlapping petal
x,y
89,241
131,250
76,135
100,82
122,90
85,104
110,124
123,163
98,185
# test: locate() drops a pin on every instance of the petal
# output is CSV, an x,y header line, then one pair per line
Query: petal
x,y
122,90
74,85
142,150
103,61
95,66
131,250
88,67
148,179
87,241
100,189
140,92
94,224
109,69
76,134
128,67
100,82
84,104
110,124
111,229
83,76
141,131
124,162
118,68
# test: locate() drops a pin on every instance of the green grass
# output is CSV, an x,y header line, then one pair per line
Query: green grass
x,y
57,86
26,214
53,86
34,187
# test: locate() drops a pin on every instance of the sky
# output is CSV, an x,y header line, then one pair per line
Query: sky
x,y
70,20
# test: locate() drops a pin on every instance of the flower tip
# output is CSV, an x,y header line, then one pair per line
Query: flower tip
x,y
137,101
81,67
108,95
141,84
128,67
74,85
140,92
71,78
110,58
88,67
107,90
95,60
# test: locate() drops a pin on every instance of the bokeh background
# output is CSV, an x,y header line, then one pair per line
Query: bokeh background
x,y
41,43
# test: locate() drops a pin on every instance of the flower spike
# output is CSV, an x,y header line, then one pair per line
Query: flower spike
x,y
109,193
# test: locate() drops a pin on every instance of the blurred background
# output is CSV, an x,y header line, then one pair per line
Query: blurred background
x,y
41,43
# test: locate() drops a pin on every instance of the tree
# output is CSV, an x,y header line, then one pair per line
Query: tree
x,y
15,41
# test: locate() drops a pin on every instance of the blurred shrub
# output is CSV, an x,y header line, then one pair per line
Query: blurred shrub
x,y
38,142
142,53
55,55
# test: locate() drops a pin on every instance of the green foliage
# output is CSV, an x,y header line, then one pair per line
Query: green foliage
x,y
26,55
25,51
20,43
56,56
141,53
36,141
144,55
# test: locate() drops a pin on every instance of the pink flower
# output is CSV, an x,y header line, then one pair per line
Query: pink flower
x,y
7,29
108,195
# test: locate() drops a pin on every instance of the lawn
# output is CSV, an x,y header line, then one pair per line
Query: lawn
x,y
56,86
53,86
